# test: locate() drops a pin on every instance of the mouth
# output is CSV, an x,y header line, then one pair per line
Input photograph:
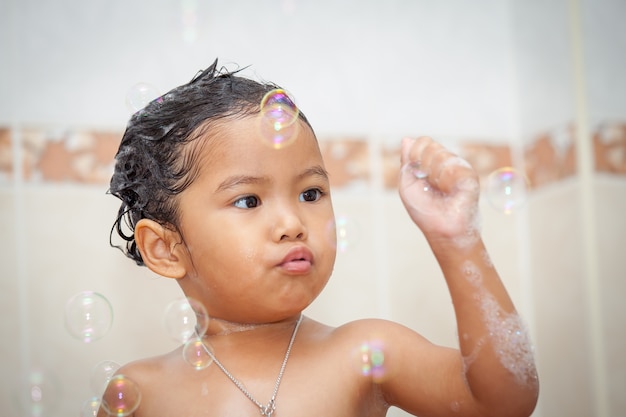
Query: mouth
x,y
298,260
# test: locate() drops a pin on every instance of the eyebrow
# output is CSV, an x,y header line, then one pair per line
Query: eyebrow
x,y
314,171
236,180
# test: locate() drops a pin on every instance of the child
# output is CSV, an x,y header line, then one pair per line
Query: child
x,y
243,228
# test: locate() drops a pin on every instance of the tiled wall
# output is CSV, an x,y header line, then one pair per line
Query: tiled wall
x,y
55,216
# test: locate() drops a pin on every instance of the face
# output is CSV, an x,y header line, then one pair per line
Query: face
x,y
257,225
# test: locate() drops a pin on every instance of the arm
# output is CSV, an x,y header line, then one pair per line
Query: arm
x,y
493,374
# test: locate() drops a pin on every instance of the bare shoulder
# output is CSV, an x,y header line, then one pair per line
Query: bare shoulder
x,y
141,384
369,330
391,338
401,366
372,324
145,370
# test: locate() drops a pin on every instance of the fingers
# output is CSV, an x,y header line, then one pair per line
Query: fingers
x,y
412,149
441,168
405,149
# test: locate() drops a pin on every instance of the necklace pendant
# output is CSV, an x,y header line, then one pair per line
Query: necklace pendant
x,y
269,409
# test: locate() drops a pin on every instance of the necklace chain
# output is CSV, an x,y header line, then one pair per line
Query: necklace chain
x,y
266,410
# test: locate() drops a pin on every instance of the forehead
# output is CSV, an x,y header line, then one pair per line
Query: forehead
x,y
239,144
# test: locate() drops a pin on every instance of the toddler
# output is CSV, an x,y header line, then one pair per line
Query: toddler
x,y
240,220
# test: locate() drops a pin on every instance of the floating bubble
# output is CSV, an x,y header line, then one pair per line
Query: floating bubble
x,y
343,233
506,189
90,407
198,353
139,95
38,393
185,318
278,118
101,375
122,397
280,107
371,360
88,316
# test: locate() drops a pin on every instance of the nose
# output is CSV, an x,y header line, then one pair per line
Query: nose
x,y
288,224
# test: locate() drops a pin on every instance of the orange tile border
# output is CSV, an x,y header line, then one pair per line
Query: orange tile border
x,y
68,157
347,161
86,156
610,148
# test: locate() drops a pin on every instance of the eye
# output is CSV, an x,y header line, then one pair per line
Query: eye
x,y
247,202
312,194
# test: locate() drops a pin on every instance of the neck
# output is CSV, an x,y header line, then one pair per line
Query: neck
x,y
222,327
268,409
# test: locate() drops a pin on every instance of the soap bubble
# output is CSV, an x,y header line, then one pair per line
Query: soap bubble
x,y
122,397
139,95
101,375
90,407
184,318
88,316
38,393
506,189
196,353
278,118
280,108
370,360
343,233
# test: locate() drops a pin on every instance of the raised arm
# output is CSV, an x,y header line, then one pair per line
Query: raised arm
x,y
494,373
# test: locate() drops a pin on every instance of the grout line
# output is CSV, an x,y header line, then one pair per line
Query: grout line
x,y
522,218
20,248
17,155
379,223
585,162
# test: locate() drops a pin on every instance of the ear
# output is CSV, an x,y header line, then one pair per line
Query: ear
x,y
160,249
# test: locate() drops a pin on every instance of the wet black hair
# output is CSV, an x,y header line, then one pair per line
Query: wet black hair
x,y
151,165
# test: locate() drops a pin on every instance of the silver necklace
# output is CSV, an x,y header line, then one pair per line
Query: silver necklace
x,y
266,410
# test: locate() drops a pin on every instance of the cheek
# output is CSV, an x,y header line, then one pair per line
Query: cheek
x,y
235,250
329,261
326,232
249,254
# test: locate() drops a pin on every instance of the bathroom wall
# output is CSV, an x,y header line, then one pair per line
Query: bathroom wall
x,y
499,82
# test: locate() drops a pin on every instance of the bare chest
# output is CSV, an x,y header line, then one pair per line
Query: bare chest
x,y
304,391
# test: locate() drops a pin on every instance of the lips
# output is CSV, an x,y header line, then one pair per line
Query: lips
x,y
298,260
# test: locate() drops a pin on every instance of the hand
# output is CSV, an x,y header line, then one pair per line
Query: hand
x,y
439,189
